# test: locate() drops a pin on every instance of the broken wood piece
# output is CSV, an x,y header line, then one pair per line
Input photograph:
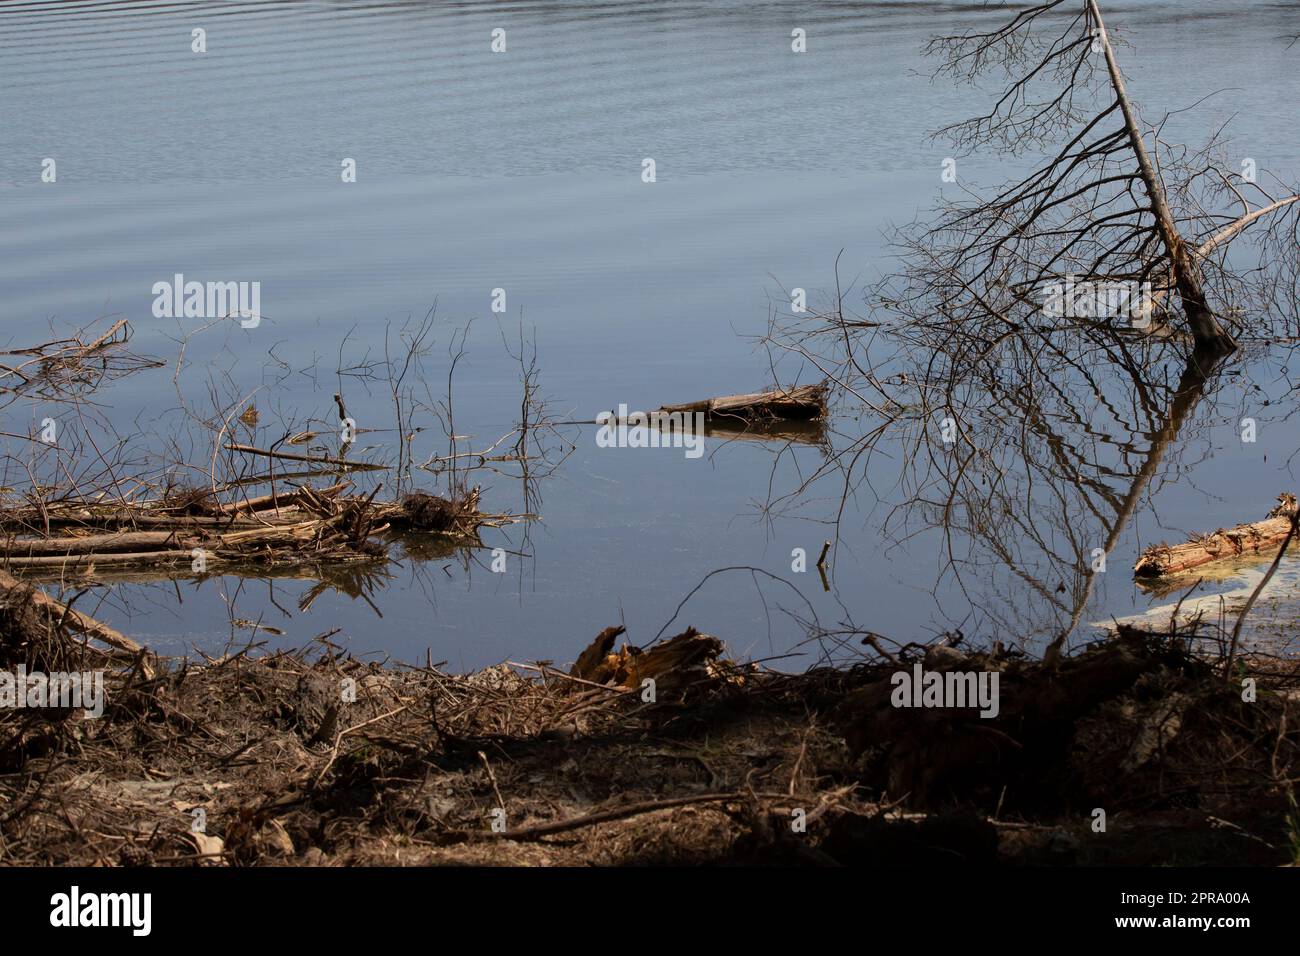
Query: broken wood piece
x,y
591,661
1259,537
821,566
673,664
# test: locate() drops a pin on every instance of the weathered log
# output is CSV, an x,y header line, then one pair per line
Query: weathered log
x,y
802,402
31,521
80,563
93,544
1259,537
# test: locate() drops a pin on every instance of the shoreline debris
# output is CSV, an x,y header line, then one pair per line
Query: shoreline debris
x,y
24,607
1256,538
407,771
689,659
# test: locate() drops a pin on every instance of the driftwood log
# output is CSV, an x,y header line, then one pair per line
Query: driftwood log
x,y
1259,537
804,402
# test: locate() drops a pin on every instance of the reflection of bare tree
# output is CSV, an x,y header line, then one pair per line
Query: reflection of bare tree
x,y
1022,471
1028,421
1044,483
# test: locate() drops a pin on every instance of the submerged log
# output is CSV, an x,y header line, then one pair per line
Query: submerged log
x,y
803,402
1259,537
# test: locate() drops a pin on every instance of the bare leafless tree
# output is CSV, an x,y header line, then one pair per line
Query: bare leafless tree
x,y
1025,436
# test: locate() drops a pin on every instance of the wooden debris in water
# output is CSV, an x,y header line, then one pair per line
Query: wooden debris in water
x,y
57,615
801,403
312,459
314,526
1259,537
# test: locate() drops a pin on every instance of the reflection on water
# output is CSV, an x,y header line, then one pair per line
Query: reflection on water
x,y
522,170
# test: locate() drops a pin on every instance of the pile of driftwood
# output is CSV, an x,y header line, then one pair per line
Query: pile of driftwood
x,y
1257,538
194,528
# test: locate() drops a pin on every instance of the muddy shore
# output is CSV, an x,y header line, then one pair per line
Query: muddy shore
x,y
312,758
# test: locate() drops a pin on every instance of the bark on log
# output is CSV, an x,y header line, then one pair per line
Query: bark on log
x,y
803,402
1259,537
93,544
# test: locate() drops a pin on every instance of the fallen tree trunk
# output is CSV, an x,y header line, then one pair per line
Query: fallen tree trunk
x,y
1259,537
1209,335
94,544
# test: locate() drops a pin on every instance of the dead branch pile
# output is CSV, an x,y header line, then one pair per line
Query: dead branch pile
x,y
301,526
1257,538
37,628
325,760
1134,723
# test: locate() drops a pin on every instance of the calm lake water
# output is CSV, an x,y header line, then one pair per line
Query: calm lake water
x,y
522,170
